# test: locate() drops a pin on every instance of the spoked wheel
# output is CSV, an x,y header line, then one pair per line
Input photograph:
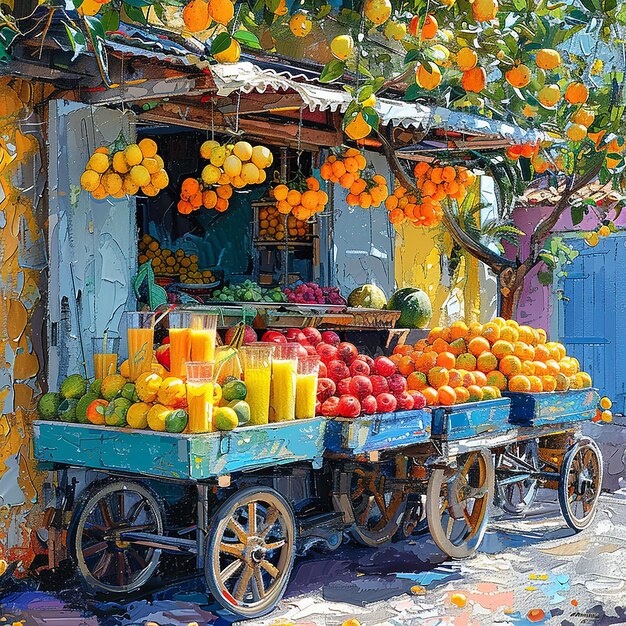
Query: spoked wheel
x,y
250,552
107,563
413,520
580,483
377,500
516,496
457,501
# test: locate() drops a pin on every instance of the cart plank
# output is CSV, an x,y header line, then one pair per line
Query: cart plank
x,y
179,456
472,419
558,407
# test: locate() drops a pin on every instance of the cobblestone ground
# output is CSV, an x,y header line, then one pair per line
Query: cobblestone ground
x,y
528,571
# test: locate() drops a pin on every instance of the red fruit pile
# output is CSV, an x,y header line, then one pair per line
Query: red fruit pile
x,y
310,293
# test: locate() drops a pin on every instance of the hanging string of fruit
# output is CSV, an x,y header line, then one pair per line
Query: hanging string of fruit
x,y
300,197
404,206
368,192
344,167
124,169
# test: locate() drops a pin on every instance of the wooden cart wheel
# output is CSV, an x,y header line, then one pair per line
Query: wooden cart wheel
x,y
250,553
377,501
107,564
580,483
457,501
517,497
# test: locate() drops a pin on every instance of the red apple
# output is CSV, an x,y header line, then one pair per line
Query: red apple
x,y
323,371
163,355
295,334
361,386
312,334
331,337
302,351
349,406
359,368
318,408
343,386
367,359
309,349
419,400
249,335
397,383
326,351
347,352
273,336
384,366
337,370
386,403
330,407
405,401
369,405
325,388
379,384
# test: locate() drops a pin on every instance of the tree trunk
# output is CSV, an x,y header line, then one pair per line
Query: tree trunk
x,y
510,286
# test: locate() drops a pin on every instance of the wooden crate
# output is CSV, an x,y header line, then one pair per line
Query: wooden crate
x,y
558,407
472,419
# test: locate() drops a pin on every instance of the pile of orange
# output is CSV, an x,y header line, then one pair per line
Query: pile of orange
x,y
518,150
473,362
272,225
368,192
301,200
344,169
441,182
195,194
125,172
403,206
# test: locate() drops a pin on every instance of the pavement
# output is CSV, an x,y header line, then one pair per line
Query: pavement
x,y
529,570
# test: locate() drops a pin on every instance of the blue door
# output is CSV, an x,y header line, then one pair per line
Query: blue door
x,y
591,314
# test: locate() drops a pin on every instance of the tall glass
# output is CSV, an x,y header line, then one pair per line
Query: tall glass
x,y
284,369
200,396
306,386
180,342
140,342
257,374
202,336
105,352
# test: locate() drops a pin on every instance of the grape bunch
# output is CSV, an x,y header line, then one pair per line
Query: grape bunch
x,y
249,291
310,293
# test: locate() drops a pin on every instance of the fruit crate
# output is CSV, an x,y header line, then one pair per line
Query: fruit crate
x,y
536,409
472,419
373,318
373,433
179,456
262,238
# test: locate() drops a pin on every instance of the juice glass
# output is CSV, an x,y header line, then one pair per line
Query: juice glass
x,y
202,336
257,374
306,386
180,342
200,396
140,342
284,369
105,351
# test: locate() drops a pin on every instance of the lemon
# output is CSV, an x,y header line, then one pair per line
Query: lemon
x,y
250,173
262,157
137,415
89,180
160,161
592,239
395,30
148,147
149,190
206,149
99,162
232,166
549,95
112,182
129,186
225,418
377,11
218,156
369,102
300,25
147,386
160,179
243,150
133,154
150,163
607,416
140,175
3,566
262,177
231,54
119,163
606,403
342,47
210,174
156,417
576,132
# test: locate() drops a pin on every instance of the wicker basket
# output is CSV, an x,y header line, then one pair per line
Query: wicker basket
x,y
373,318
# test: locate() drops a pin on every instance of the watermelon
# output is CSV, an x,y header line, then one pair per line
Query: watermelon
x,y
368,297
414,305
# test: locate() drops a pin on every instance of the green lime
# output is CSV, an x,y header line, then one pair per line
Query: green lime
x,y
176,421
225,418
234,390
242,408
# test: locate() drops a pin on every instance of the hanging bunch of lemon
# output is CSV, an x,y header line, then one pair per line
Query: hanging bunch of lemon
x,y
301,198
127,171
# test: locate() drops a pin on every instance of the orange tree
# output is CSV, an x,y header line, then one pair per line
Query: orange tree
x,y
556,68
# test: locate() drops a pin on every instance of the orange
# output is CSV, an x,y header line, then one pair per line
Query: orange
x,y
466,59
561,348
475,330
417,381
487,362
459,330
474,80
446,395
346,180
403,349
542,353
428,79
490,393
502,348
431,396
189,187
438,377
519,383
406,366
196,16
491,332
440,345
543,336
496,379
553,367
222,11
426,361
478,345
469,378
509,333
536,386
224,191
462,395
523,351
548,383
510,366
293,197
455,379
481,378
458,346
518,76
576,93
421,345
526,334
446,359
466,361
475,393
395,358
547,58
280,192
430,27
585,379
499,321
435,333
528,368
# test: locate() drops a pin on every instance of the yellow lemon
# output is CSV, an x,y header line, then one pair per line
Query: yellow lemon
x,y
232,166
133,154
137,415
607,416
147,386
206,149
98,162
243,150
250,173
140,175
210,174
548,59
119,163
89,180
151,164
604,231
160,179
592,239
231,54
369,102
262,157
549,95
606,403
377,11
395,30
156,417
342,46
148,147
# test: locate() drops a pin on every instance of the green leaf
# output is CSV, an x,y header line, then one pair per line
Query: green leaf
x,y
98,38
591,5
139,3
247,39
548,259
365,93
545,278
325,10
577,214
220,43
76,39
77,3
371,117
272,5
111,20
604,176
332,71
412,55
412,92
134,13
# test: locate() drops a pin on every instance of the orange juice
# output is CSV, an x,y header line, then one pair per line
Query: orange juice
x,y
140,343
104,365
258,381
180,351
283,401
200,406
202,344
306,395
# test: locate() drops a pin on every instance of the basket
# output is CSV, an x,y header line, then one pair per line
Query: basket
x,y
373,318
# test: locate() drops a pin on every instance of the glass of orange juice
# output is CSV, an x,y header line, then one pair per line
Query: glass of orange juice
x,y
203,327
200,396
257,374
140,342
105,352
180,342
306,386
284,370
